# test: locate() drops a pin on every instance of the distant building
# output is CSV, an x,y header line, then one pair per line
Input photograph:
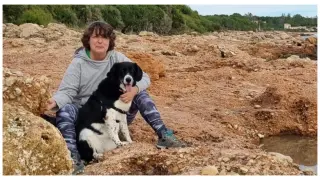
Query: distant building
x,y
287,26
299,27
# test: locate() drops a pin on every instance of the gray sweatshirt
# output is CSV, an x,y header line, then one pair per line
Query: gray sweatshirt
x,y
83,76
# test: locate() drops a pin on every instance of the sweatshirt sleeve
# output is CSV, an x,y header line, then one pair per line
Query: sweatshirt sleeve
x,y
69,85
144,83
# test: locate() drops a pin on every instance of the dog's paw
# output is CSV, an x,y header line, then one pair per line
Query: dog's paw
x,y
125,143
122,143
119,143
97,156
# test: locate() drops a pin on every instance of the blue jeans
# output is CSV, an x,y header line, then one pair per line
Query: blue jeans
x,y
67,115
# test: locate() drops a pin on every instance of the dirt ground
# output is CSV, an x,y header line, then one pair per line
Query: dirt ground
x,y
218,105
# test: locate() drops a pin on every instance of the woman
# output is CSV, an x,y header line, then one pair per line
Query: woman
x,y
90,65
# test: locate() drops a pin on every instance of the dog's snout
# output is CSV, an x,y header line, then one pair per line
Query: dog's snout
x,y
128,80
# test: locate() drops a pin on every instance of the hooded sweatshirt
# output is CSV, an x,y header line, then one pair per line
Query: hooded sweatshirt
x,y
83,76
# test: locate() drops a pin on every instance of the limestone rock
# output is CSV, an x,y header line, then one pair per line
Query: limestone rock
x,y
146,33
285,160
31,145
28,30
31,93
193,48
209,170
312,40
149,64
11,31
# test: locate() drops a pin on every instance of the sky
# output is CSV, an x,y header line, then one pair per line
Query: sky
x,y
258,10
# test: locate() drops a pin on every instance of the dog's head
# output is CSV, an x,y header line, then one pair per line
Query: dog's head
x,y
126,74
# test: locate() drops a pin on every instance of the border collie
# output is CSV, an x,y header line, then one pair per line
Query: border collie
x,y
103,116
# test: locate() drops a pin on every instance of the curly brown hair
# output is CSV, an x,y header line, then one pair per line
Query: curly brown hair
x,y
100,28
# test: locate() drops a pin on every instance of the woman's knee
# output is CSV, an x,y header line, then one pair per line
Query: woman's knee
x,y
143,98
69,112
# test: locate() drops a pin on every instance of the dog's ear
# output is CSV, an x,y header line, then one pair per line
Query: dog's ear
x,y
113,71
137,72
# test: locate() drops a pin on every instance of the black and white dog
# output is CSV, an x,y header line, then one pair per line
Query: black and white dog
x,y
103,116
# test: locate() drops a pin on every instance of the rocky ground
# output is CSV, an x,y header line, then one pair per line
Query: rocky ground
x,y
220,92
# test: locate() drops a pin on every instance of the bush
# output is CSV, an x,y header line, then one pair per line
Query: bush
x,y
112,16
11,13
66,16
186,10
178,22
35,15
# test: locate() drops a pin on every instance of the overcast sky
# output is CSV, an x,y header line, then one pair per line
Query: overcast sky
x,y
259,10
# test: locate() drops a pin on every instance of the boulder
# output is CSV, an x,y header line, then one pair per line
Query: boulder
x,y
148,63
11,31
146,33
29,29
31,145
285,160
209,170
29,92
312,40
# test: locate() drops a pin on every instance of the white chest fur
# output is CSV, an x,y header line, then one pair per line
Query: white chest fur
x,y
121,105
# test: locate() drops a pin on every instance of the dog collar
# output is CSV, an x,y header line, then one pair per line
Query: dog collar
x,y
119,110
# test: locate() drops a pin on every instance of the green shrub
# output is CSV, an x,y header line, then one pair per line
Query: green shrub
x,y
35,15
112,16
66,16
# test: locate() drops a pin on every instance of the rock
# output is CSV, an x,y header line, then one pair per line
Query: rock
x,y
174,170
225,159
250,162
168,53
312,40
293,58
194,33
261,136
18,91
223,172
55,32
269,36
9,81
193,48
11,31
244,170
235,126
146,33
256,106
284,36
226,53
285,160
28,30
149,64
308,173
31,93
31,145
209,170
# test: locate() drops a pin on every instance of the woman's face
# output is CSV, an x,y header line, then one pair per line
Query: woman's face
x,y
98,44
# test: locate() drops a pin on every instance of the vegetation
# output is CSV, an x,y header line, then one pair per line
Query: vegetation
x,y
161,19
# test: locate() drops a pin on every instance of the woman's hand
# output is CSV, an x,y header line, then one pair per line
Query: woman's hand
x,y
128,96
51,103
